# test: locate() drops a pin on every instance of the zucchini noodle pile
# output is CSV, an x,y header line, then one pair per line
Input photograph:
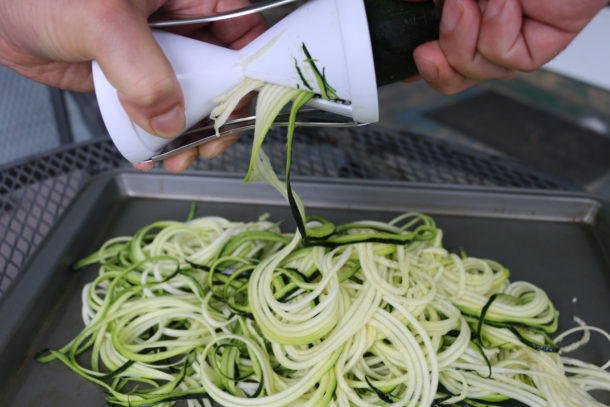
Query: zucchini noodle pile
x,y
245,315
215,312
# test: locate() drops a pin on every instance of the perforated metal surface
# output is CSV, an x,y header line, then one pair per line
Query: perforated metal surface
x,y
35,192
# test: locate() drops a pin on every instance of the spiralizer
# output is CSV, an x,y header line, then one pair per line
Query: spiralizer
x,y
352,46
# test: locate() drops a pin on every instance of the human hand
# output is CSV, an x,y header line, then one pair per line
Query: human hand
x,y
53,42
496,39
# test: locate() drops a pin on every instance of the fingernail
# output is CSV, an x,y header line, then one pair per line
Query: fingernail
x,y
452,13
169,124
428,69
493,9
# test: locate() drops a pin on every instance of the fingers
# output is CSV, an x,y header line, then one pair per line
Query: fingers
x,y
507,39
238,32
215,148
145,166
181,161
135,65
496,39
436,70
176,163
459,40
454,62
234,33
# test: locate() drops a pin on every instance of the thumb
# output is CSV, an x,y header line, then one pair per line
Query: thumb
x,y
135,65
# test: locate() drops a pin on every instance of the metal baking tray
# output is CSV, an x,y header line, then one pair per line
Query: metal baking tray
x,y
557,240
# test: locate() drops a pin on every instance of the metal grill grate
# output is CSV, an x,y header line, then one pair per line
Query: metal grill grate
x,y
35,192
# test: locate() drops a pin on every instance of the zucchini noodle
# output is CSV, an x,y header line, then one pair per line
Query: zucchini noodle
x,y
360,314
245,314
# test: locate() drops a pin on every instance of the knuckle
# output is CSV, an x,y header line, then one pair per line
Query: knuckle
x,y
516,57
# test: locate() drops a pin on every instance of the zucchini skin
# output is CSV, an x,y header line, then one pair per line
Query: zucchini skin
x,y
396,29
